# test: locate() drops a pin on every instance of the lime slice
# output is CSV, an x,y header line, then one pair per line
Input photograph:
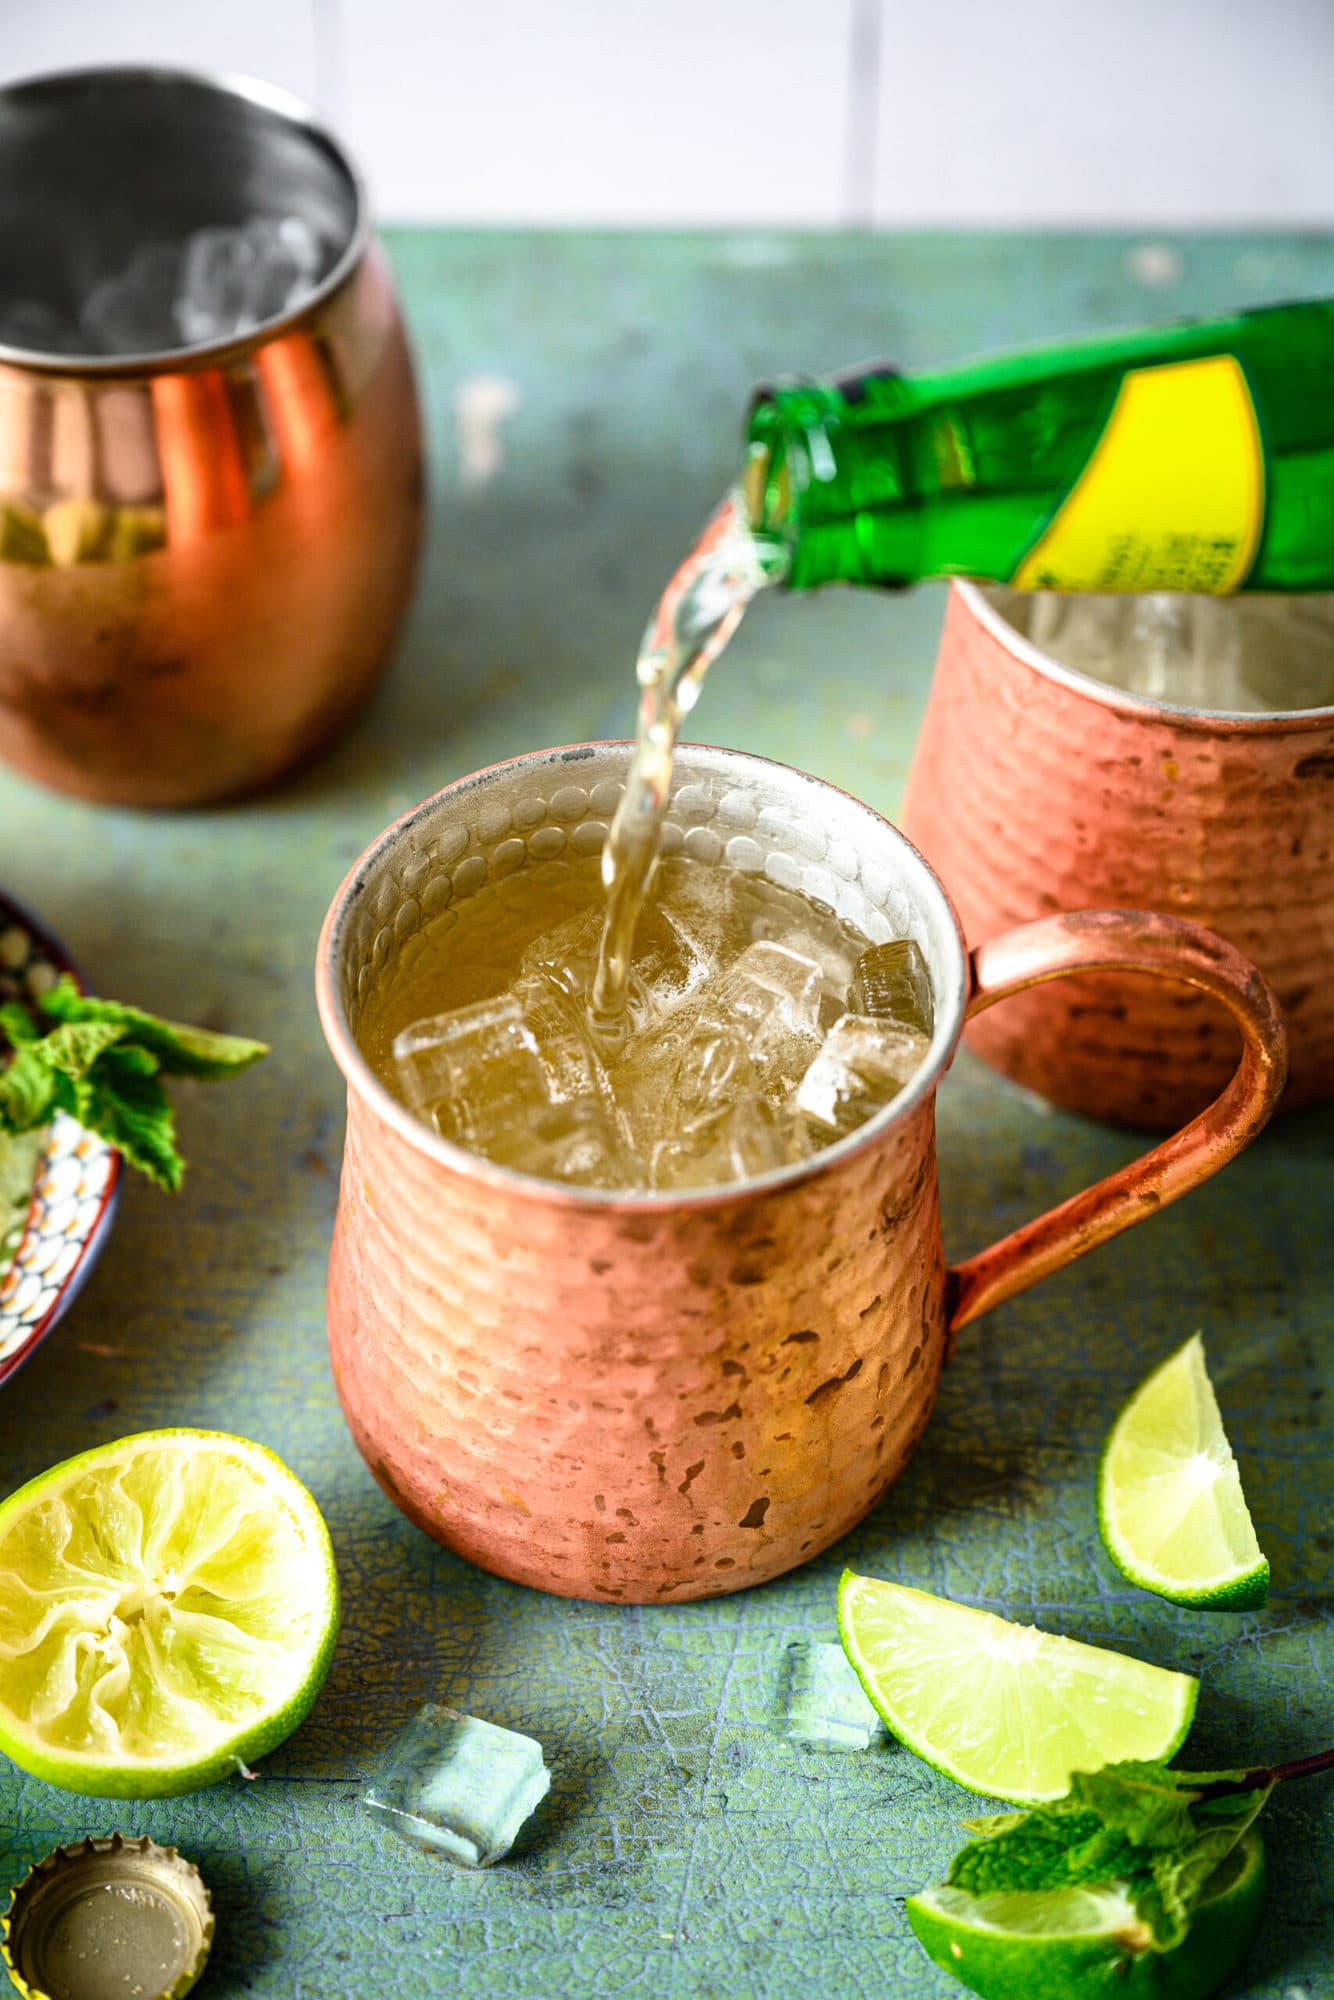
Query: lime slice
x,y
1170,1506
1004,1709
168,1610
1083,1944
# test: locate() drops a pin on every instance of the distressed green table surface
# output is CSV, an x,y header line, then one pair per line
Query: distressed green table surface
x,y
685,1849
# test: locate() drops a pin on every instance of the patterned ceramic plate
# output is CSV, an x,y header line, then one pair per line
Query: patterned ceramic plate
x,y
78,1176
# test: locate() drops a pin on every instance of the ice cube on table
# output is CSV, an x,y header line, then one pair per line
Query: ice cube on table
x,y
891,980
862,1066
458,1786
821,1701
233,279
744,1138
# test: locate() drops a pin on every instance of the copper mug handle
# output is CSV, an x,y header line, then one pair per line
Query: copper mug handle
x,y
1125,941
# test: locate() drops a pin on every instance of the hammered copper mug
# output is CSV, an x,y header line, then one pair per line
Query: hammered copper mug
x,y
205,549
1036,788
652,1397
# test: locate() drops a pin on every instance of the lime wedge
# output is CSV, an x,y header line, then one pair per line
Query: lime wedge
x,y
1004,1709
1083,1944
168,1610
1170,1505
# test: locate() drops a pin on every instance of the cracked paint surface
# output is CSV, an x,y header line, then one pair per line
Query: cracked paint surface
x,y
685,1848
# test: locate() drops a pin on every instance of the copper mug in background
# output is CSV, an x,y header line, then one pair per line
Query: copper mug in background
x,y
655,1397
205,550
1036,788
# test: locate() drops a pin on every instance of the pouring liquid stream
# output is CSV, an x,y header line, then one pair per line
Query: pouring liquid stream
x,y
696,616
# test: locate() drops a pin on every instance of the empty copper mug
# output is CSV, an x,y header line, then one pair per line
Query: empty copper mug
x,y
1035,788
652,1397
204,550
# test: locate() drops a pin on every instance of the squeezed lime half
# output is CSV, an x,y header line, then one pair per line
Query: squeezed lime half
x,y
1089,1944
168,1611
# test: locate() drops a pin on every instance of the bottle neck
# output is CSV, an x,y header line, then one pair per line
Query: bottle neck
x,y
811,475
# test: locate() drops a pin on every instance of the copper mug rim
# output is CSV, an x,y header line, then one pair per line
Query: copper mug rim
x,y
1022,648
224,83
951,1000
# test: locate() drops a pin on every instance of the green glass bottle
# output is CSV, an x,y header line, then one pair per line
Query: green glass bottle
x,y
1197,457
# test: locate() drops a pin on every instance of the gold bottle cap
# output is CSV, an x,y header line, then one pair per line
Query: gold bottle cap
x,y
108,1919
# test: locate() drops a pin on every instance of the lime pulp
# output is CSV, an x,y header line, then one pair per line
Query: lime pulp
x,y
168,1611
1005,1709
1171,1510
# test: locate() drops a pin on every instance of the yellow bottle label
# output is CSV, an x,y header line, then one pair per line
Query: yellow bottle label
x,y
1173,497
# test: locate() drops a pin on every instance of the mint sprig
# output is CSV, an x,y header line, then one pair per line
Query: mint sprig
x,y
1160,1834
104,1062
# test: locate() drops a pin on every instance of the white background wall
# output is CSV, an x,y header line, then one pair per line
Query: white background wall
x,y
804,111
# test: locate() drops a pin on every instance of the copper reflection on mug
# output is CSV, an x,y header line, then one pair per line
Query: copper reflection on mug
x,y
205,551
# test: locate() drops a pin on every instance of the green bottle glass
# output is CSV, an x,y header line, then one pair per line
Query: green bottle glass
x,y
1197,457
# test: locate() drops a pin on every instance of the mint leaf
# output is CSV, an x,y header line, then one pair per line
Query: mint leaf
x,y
73,1050
202,1052
1146,1801
180,1049
128,1057
103,1062
1152,1830
29,1091
17,1023
131,1109
1054,1847
1219,1824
